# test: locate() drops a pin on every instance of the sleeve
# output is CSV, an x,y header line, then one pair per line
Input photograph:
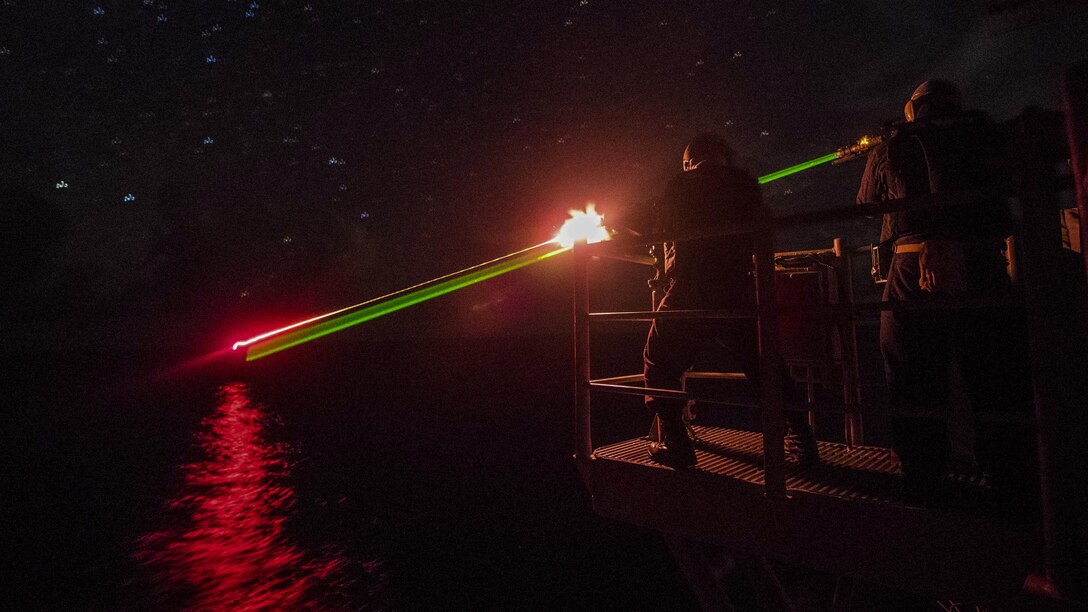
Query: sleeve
x,y
672,208
873,187
656,217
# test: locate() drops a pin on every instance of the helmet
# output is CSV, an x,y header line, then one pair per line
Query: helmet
x,y
706,147
933,97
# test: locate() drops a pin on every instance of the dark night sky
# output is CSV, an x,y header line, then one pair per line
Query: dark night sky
x,y
241,147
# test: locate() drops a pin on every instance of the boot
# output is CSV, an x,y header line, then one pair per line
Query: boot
x,y
922,447
800,444
675,448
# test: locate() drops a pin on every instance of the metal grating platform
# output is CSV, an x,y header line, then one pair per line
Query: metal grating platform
x,y
864,473
845,516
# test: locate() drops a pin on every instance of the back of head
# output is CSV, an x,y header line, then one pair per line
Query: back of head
x,y
709,149
933,98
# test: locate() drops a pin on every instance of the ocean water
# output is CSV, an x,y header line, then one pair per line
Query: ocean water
x,y
423,474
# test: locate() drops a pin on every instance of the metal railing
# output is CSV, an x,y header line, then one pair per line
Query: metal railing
x,y
1059,368
764,315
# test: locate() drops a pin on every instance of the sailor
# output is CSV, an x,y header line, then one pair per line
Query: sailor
x,y
709,273
941,253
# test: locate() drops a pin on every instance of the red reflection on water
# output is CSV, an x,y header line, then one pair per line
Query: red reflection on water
x,y
232,551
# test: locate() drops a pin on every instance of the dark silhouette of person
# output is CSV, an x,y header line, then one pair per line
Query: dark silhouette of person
x,y
709,273
941,253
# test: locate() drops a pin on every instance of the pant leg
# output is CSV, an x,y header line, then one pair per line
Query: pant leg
x,y
672,347
741,340
917,346
997,376
670,351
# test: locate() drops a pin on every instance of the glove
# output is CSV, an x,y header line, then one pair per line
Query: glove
x,y
942,267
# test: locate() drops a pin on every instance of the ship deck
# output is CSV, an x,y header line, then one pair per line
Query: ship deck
x,y
846,516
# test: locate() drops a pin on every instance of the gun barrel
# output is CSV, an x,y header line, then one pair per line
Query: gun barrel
x,y
858,149
840,155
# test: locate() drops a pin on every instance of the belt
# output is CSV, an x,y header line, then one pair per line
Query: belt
x,y
909,248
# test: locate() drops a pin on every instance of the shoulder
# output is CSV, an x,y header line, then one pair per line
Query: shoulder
x,y
723,178
874,178
878,157
972,122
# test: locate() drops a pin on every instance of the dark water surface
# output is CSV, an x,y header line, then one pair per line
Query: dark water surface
x,y
427,474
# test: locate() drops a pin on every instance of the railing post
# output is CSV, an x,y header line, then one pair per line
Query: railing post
x,y
770,367
1075,103
583,440
1055,325
848,336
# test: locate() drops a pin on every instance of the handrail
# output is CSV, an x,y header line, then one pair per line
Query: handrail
x,y
771,383
969,303
841,310
642,260
666,394
620,380
651,315
950,199
765,314
583,424
803,253
966,198
1032,199
615,384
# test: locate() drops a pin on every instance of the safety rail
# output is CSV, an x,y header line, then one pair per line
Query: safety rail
x,y
792,263
673,314
1032,250
773,429
764,309
1059,368
623,389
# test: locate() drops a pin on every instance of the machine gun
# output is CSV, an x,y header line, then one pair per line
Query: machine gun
x,y
859,148
841,155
